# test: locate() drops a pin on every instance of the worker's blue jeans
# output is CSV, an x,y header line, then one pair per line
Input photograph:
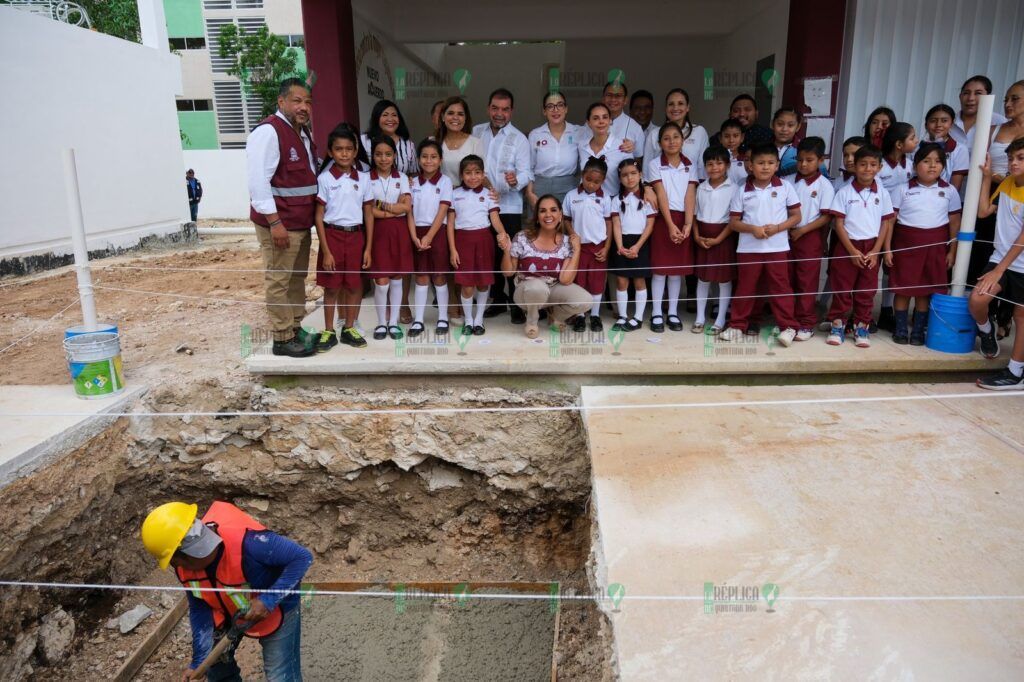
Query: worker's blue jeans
x,y
281,658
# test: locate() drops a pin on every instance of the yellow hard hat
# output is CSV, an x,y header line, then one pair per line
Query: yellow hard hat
x,y
165,528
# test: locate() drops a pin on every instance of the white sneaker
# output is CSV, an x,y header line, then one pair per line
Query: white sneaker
x,y
731,334
805,334
836,334
786,337
862,336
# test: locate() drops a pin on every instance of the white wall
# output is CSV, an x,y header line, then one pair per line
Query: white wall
x,y
912,54
111,100
225,188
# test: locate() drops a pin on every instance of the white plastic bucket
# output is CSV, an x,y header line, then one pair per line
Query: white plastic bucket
x,y
94,361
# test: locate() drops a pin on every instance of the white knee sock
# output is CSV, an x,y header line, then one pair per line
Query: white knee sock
x,y
481,305
420,301
675,284
702,299
396,301
621,300
641,304
442,302
724,296
657,294
467,310
595,310
380,302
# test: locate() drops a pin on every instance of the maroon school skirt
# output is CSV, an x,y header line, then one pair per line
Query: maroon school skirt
x,y
667,257
476,257
717,264
347,249
591,274
435,260
919,271
392,248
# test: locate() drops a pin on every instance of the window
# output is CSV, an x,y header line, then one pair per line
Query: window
x,y
194,104
188,43
239,4
245,25
230,113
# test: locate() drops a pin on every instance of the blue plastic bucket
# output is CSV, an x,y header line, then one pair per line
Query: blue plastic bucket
x,y
951,328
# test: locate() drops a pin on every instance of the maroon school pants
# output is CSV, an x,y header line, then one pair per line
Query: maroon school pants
x,y
762,273
852,286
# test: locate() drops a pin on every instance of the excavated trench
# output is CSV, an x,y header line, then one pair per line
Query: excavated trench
x,y
480,496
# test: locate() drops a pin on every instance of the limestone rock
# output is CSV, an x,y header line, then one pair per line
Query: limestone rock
x,y
56,634
130,620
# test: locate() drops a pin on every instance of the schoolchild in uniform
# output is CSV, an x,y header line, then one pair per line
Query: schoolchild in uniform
x,y
898,146
471,243
850,147
762,212
1004,274
731,137
922,245
715,241
344,203
674,178
807,239
632,223
603,144
863,217
391,245
587,213
431,199
880,119
785,124
938,122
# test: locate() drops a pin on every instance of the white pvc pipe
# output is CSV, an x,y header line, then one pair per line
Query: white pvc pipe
x,y
972,194
74,200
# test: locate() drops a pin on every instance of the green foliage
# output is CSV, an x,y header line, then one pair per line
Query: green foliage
x,y
118,18
260,60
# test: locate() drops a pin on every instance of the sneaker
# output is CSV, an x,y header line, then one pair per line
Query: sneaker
x,y
753,329
293,348
1004,381
862,336
579,324
804,334
786,337
731,334
836,333
328,340
350,336
989,346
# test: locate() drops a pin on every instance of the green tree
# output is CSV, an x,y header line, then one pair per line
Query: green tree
x,y
114,17
260,60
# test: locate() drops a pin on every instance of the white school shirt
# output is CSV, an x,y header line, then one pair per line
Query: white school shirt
x,y
343,195
862,208
588,213
815,193
428,195
676,179
713,202
612,156
262,154
506,150
891,177
389,189
925,206
693,147
737,170
633,219
551,158
967,139
625,127
405,155
756,206
958,159
1009,222
473,208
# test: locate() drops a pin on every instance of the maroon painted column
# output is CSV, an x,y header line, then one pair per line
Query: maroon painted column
x,y
327,27
814,49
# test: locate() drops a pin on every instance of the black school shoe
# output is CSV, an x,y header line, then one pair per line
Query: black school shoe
x,y
886,319
989,346
675,324
1004,381
595,324
496,309
517,315
293,348
659,326
479,330
579,324
753,329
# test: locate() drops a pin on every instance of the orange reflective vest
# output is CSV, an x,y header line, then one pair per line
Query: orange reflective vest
x,y
231,524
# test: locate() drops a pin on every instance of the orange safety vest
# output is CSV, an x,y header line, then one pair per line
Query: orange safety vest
x,y
231,524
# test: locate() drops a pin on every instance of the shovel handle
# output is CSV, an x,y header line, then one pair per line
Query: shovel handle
x,y
231,634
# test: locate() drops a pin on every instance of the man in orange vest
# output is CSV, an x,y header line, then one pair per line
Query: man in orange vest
x,y
233,565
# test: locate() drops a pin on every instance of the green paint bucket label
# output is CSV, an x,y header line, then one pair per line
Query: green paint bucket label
x,y
100,378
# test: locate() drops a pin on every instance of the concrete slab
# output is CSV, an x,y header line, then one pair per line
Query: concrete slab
x,y
27,443
881,500
505,350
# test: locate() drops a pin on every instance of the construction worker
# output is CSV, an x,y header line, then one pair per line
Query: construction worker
x,y
228,549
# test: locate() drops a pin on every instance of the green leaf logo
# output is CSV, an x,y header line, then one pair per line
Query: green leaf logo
x,y
770,592
462,78
617,76
554,78
400,598
616,591
462,593
616,336
463,339
770,78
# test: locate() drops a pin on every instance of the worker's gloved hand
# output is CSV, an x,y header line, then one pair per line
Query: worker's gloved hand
x,y
257,611
190,675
